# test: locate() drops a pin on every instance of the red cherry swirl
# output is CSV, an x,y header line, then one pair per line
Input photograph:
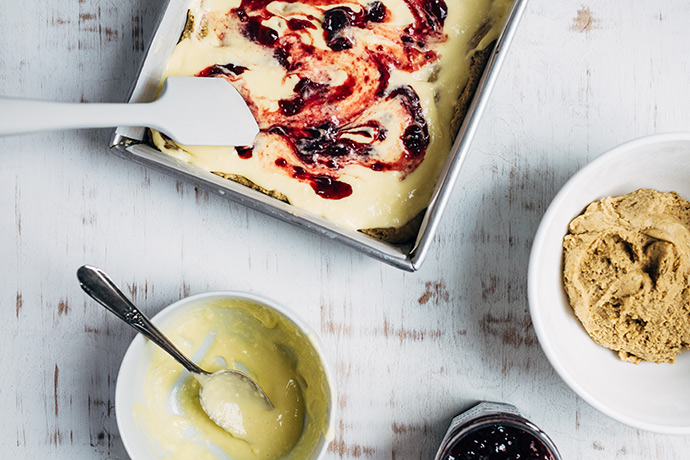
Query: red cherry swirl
x,y
324,126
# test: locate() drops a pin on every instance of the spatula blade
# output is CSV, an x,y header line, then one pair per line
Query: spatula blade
x,y
204,111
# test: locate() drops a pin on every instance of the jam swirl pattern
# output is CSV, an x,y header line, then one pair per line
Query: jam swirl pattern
x,y
329,123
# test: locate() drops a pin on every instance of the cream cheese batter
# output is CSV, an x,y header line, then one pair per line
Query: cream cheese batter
x,y
354,99
244,336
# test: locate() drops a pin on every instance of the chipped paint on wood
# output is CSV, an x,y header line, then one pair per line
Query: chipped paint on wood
x,y
434,291
19,303
55,388
584,21
62,307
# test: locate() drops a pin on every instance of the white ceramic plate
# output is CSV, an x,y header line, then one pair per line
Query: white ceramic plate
x,y
130,380
654,397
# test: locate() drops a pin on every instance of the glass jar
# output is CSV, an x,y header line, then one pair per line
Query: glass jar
x,y
495,431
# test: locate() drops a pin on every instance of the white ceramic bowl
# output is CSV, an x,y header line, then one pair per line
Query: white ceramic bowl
x,y
654,397
130,380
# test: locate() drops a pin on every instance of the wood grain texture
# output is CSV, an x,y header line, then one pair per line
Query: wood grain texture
x,y
409,351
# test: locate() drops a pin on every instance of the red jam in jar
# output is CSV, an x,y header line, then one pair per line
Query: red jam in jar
x,y
495,431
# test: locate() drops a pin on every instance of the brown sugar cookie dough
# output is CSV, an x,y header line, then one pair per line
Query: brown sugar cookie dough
x,y
626,273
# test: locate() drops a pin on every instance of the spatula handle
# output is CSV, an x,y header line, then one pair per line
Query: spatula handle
x,y
18,116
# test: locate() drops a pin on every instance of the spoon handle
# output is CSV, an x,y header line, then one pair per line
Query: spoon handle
x,y
104,291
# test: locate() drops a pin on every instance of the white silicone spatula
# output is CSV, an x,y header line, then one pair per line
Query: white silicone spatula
x,y
190,110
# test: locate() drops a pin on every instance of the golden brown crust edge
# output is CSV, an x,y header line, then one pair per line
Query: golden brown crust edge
x,y
477,65
408,231
247,183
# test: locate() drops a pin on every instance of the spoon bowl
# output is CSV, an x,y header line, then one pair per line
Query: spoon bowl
x,y
225,395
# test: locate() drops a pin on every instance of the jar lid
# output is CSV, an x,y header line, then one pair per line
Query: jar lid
x,y
495,431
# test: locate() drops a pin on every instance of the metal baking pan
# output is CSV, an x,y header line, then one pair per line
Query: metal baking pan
x,y
130,143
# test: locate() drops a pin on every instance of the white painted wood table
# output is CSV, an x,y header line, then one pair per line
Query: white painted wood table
x,y
409,351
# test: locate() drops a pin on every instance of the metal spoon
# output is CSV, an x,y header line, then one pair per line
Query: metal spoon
x,y
222,394
190,110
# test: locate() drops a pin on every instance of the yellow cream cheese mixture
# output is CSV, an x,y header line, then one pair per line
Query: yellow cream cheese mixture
x,y
250,338
354,99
